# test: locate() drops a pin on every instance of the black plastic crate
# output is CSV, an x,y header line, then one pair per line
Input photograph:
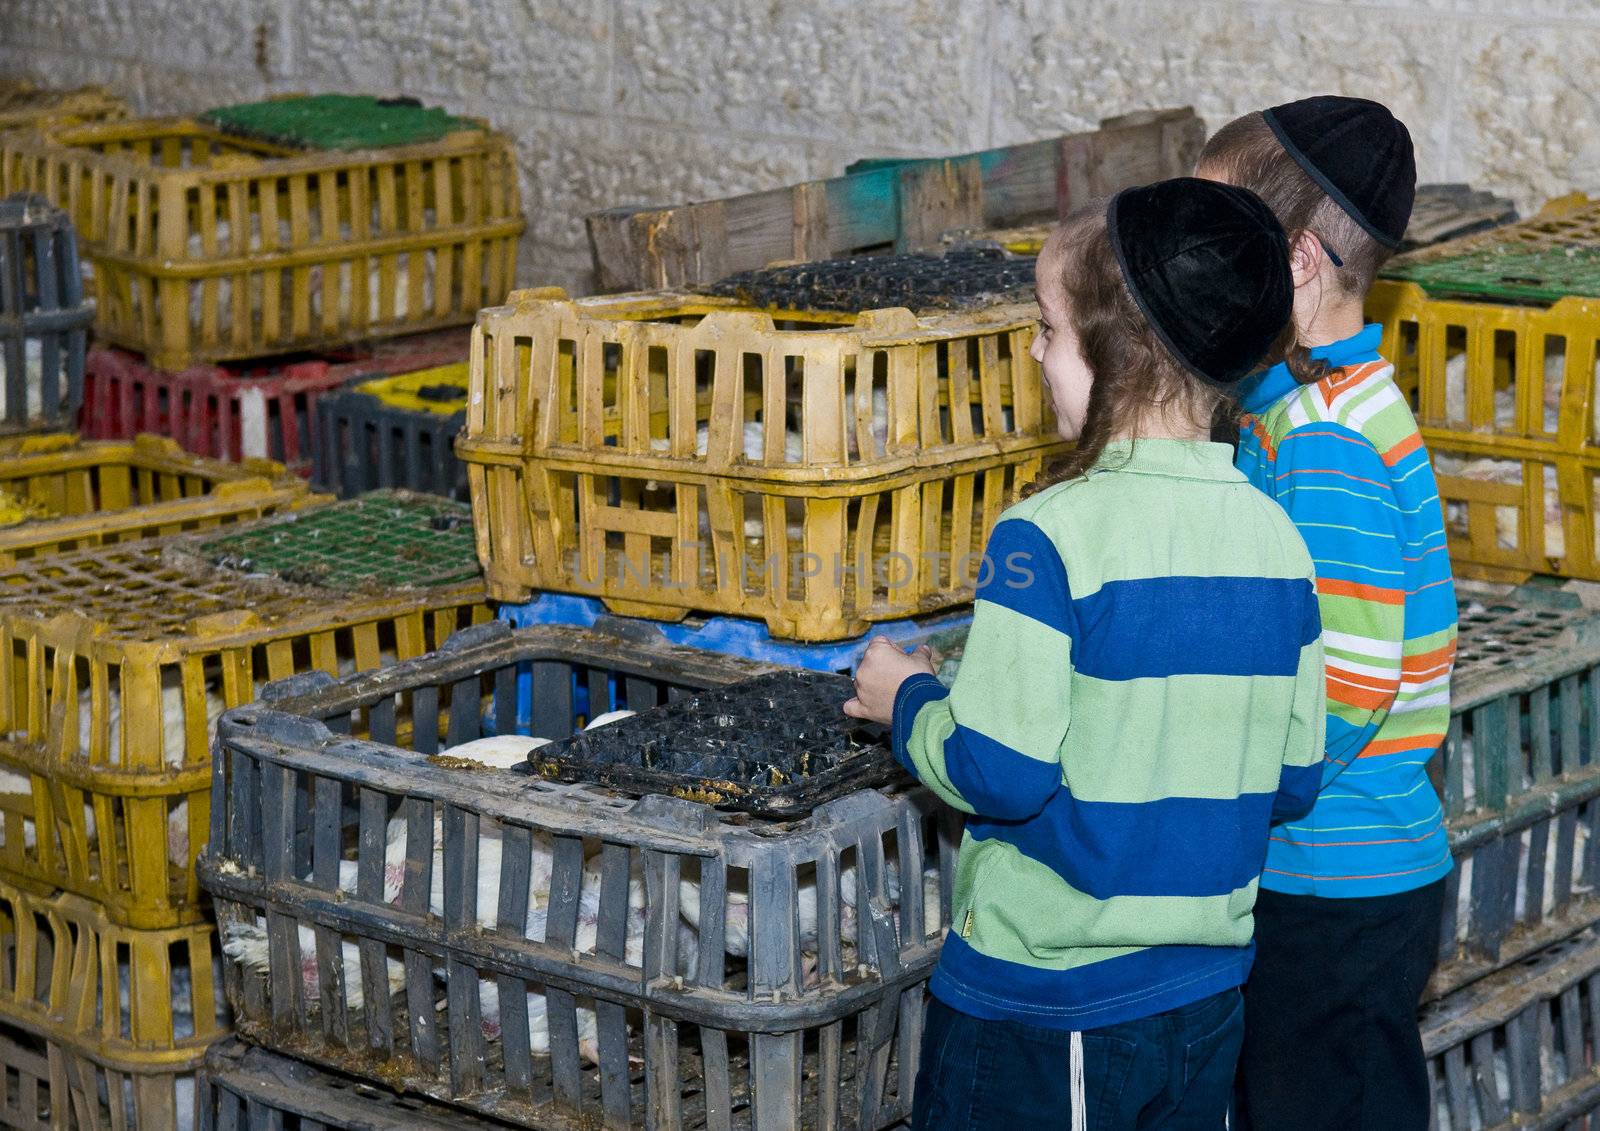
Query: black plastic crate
x,y
248,1088
777,745
393,909
1518,1049
393,432
44,317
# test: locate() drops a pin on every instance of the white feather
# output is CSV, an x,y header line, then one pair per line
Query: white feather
x,y
246,944
501,751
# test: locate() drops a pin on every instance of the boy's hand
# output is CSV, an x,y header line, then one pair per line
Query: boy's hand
x,y
879,676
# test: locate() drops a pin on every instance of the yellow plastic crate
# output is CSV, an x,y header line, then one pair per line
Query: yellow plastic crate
x,y
1505,395
22,104
84,493
619,447
15,510
209,247
114,665
102,1026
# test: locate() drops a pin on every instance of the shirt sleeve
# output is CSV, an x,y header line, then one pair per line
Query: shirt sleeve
x,y
1300,780
1336,489
991,745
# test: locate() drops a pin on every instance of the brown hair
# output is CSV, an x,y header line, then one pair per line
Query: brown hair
x,y
1134,372
1247,153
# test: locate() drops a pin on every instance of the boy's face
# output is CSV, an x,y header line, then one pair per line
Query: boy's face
x,y
1055,347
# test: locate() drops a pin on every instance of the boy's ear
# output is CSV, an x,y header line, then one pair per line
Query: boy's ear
x,y
1305,258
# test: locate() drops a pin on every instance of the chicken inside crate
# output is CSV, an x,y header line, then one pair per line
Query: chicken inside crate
x,y
101,1025
1494,337
396,905
241,242
116,662
817,470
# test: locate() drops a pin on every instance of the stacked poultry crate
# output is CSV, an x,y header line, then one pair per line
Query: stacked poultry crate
x,y
238,254
734,931
58,492
397,431
44,317
816,470
115,663
1494,337
1507,1026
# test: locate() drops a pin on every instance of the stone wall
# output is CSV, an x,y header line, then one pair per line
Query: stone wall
x,y
652,101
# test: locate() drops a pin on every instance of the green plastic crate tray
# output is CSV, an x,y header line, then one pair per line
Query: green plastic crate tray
x,y
381,540
1510,273
337,121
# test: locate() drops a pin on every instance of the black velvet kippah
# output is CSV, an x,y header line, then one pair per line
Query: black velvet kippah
x,y
1208,265
1358,153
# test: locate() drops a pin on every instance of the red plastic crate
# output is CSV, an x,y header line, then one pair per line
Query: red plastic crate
x,y
237,411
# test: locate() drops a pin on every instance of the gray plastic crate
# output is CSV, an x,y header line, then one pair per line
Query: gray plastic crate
x,y
1519,1048
44,317
556,954
364,443
1521,779
248,1088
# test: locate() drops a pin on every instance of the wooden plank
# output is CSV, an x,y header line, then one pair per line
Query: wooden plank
x,y
904,204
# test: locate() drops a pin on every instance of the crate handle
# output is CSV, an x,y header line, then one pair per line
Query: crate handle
x,y
149,442
474,635
229,620
301,683
280,727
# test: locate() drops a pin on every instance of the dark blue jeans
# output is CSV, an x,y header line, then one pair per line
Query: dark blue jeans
x,y
1172,1071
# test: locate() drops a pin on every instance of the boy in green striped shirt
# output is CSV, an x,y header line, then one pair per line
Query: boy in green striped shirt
x,y
1140,696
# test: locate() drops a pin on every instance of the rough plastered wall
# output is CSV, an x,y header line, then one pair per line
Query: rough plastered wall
x,y
653,101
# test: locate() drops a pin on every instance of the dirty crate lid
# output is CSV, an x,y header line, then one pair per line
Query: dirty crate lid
x,y
959,279
378,541
337,121
441,390
777,745
1512,272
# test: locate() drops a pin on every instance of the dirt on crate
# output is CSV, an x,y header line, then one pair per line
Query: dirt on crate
x,y
777,745
375,542
960,279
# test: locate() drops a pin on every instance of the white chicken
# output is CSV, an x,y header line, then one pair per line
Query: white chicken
x,y
32,380
173,732
498,751
736,911
317,275
246,944
585,941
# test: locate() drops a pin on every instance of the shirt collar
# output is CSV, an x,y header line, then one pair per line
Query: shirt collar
x,y
1184,459
1261,392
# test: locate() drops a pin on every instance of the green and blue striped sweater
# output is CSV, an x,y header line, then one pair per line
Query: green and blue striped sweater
x,y
1141,695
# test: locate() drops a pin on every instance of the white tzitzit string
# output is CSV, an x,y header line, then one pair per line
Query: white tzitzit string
x,y
1080,1116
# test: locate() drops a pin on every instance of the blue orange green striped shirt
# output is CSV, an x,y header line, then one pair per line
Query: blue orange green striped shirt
x,y
1141,694
1343,457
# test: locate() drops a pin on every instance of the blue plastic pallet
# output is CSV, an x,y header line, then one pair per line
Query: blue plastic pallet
x,y
734,636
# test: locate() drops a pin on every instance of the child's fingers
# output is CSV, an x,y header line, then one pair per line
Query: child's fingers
x,y
854,709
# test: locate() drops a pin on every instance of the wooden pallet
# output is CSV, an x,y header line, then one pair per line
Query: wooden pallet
x,y
906,205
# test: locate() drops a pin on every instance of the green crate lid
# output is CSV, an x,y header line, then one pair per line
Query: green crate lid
x,y
378,541
337,121
1514,273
